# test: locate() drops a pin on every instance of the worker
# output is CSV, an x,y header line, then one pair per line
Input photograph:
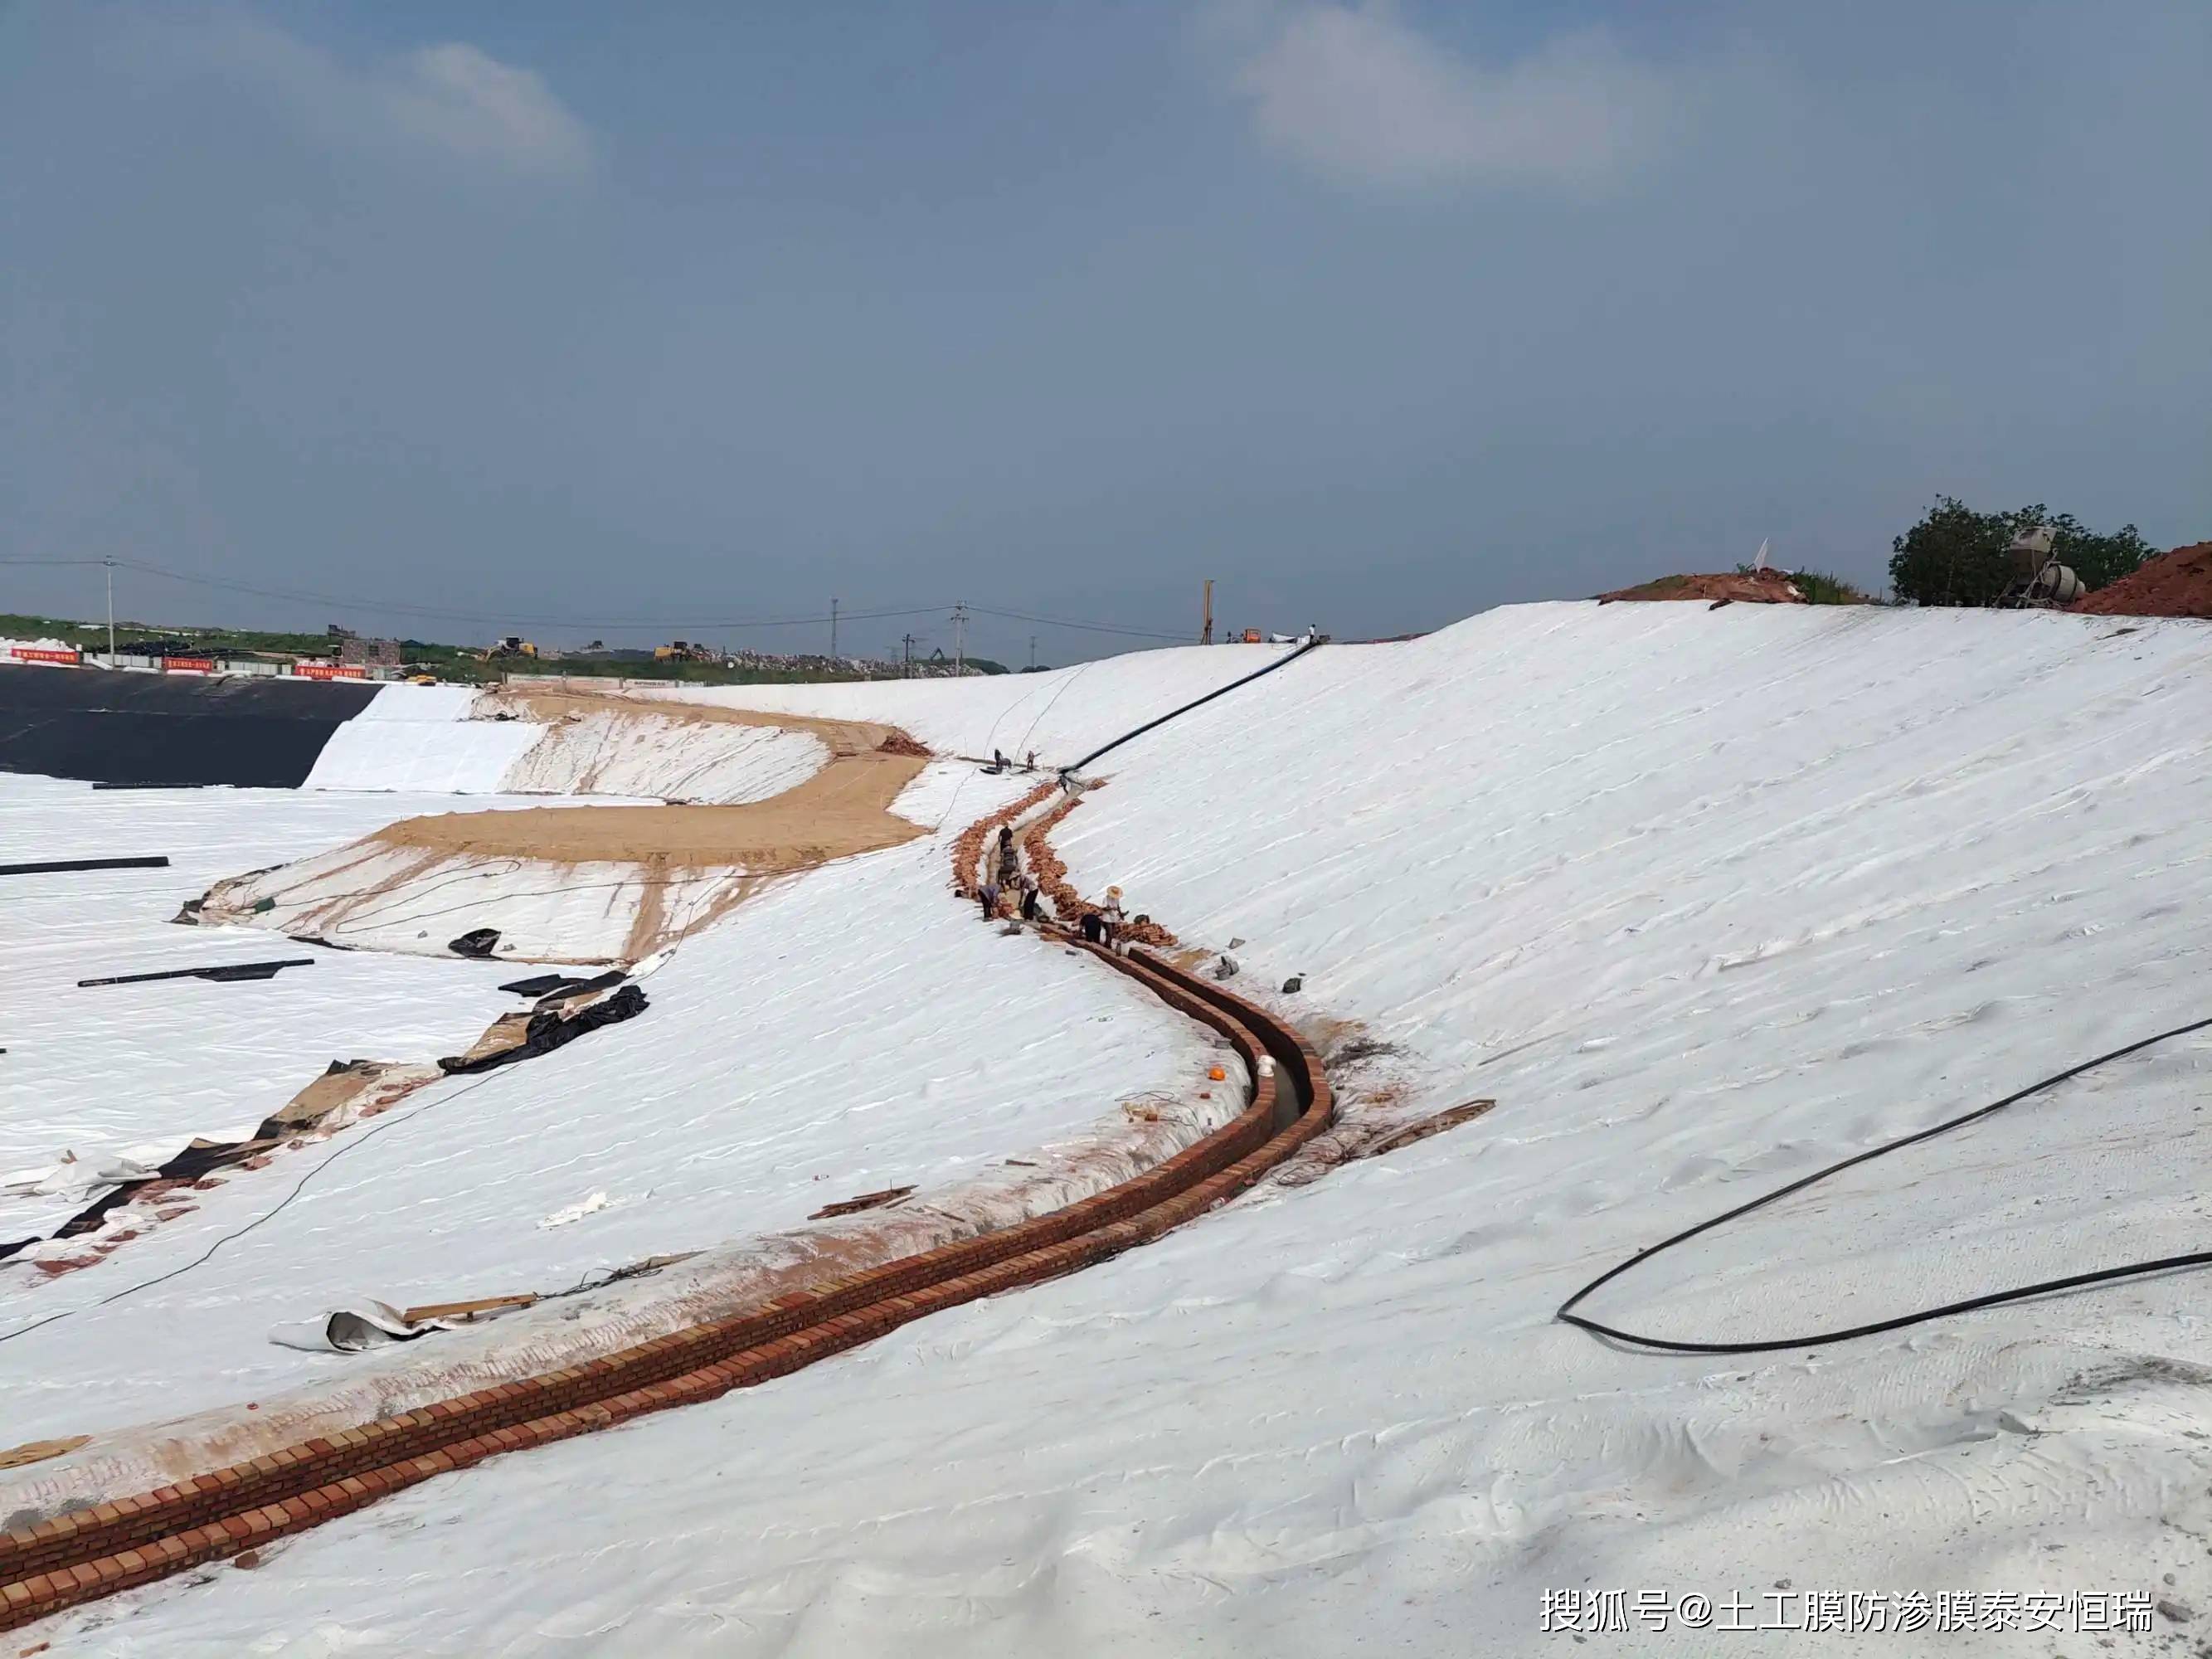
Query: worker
x,y
1030,896
1031,764
998,762
1115,920
987,896
1094,927
1009,863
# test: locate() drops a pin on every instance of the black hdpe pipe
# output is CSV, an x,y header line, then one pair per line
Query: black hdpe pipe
x,y
158,862
223,974
1567,1315
1220,691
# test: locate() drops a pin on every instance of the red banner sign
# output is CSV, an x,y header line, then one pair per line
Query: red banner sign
x,y
39,654
325,670
189,665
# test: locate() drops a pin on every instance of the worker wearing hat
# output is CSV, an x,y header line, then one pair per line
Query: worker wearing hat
x,y
1116,920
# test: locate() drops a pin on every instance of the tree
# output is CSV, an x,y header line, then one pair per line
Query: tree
x,y
1953,555
1956,556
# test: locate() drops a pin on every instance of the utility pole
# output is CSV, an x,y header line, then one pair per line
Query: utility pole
x,y
1206,634
110,565
1033,651
905,667
833,627
959,640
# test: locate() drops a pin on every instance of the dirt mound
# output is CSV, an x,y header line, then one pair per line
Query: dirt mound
x,y
2176,583
1763,588
898,743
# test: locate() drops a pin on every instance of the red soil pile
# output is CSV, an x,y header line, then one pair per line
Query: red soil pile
x,y
899,743
1044,864
1762,587
967,850
2176,583
1051,874
865,1202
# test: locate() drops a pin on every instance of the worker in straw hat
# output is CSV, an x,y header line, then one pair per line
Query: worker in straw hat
x,y
1116,920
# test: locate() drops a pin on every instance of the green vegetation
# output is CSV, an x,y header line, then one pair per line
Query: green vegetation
x,y
93,636
1821,588
1956,556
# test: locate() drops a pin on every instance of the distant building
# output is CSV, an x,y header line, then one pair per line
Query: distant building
x,y
365,654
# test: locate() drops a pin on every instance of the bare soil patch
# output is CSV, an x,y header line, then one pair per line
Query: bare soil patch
x,y
843,809
1765,587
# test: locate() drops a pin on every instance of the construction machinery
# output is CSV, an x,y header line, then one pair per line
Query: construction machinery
x,y
511,644
2039,581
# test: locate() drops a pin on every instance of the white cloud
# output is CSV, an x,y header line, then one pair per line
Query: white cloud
x,y
468,102
1358,94
453,102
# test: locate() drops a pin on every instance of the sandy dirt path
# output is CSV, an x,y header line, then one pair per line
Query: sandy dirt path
x,y
843,809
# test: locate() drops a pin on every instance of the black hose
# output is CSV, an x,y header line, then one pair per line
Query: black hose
x,y
157,861
1821,1338
1220,691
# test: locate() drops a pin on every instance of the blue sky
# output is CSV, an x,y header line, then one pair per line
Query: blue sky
x,y
586,315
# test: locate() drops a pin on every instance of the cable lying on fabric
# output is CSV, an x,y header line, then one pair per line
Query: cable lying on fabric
x,y
383,1126
1567,1315
129,1183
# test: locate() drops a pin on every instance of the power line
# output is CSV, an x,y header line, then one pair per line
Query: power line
x,y
693,621
439,613
837,614
1091,627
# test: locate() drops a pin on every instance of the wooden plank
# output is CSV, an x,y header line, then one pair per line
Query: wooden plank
x,y
465,1309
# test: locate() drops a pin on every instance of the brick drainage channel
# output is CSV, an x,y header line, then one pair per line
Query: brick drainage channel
x,y
81,1557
